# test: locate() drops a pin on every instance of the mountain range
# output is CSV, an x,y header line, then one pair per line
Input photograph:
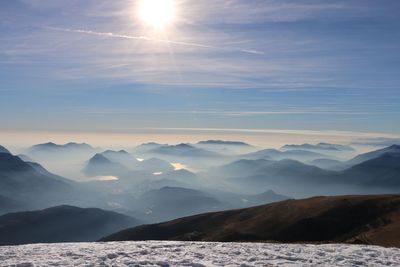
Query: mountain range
x,y
379,172
299,155
319,146
52,147
153,190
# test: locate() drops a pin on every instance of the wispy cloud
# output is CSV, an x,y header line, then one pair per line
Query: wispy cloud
x,y
207,48
280,131
242,113
146,38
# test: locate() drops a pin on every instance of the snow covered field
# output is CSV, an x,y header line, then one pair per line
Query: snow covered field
x,y
196,254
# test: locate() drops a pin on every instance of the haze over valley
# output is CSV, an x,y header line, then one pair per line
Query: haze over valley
x,y
154,182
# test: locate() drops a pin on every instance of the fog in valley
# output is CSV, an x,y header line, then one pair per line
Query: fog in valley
x,y
156,182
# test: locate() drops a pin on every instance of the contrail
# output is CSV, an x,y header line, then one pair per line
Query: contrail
x,y
145,38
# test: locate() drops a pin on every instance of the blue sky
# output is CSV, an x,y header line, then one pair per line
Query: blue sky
x,y
253,64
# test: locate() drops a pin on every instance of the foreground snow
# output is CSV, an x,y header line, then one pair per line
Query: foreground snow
x,y
196,254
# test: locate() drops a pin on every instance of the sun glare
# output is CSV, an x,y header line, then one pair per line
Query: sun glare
x,y
157,13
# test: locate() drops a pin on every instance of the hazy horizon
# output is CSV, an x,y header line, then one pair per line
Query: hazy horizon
x,y
18,142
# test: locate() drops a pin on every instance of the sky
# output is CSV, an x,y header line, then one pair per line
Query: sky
x,y
236,66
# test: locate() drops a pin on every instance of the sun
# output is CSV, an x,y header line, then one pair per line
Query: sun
x,y
157,13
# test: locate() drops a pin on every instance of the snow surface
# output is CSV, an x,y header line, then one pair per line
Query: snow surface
x,y
155,253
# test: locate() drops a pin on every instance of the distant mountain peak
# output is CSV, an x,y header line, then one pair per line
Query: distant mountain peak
x,y
221,142
151,144
50,146
99,158
80,145
49,143
183,145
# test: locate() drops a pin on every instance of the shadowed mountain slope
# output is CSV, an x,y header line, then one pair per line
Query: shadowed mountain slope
x,y
19,176
30,185
394,149
60,224
382,171
4,150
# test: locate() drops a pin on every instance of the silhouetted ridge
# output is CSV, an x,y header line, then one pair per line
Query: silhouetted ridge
x,y
4,150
